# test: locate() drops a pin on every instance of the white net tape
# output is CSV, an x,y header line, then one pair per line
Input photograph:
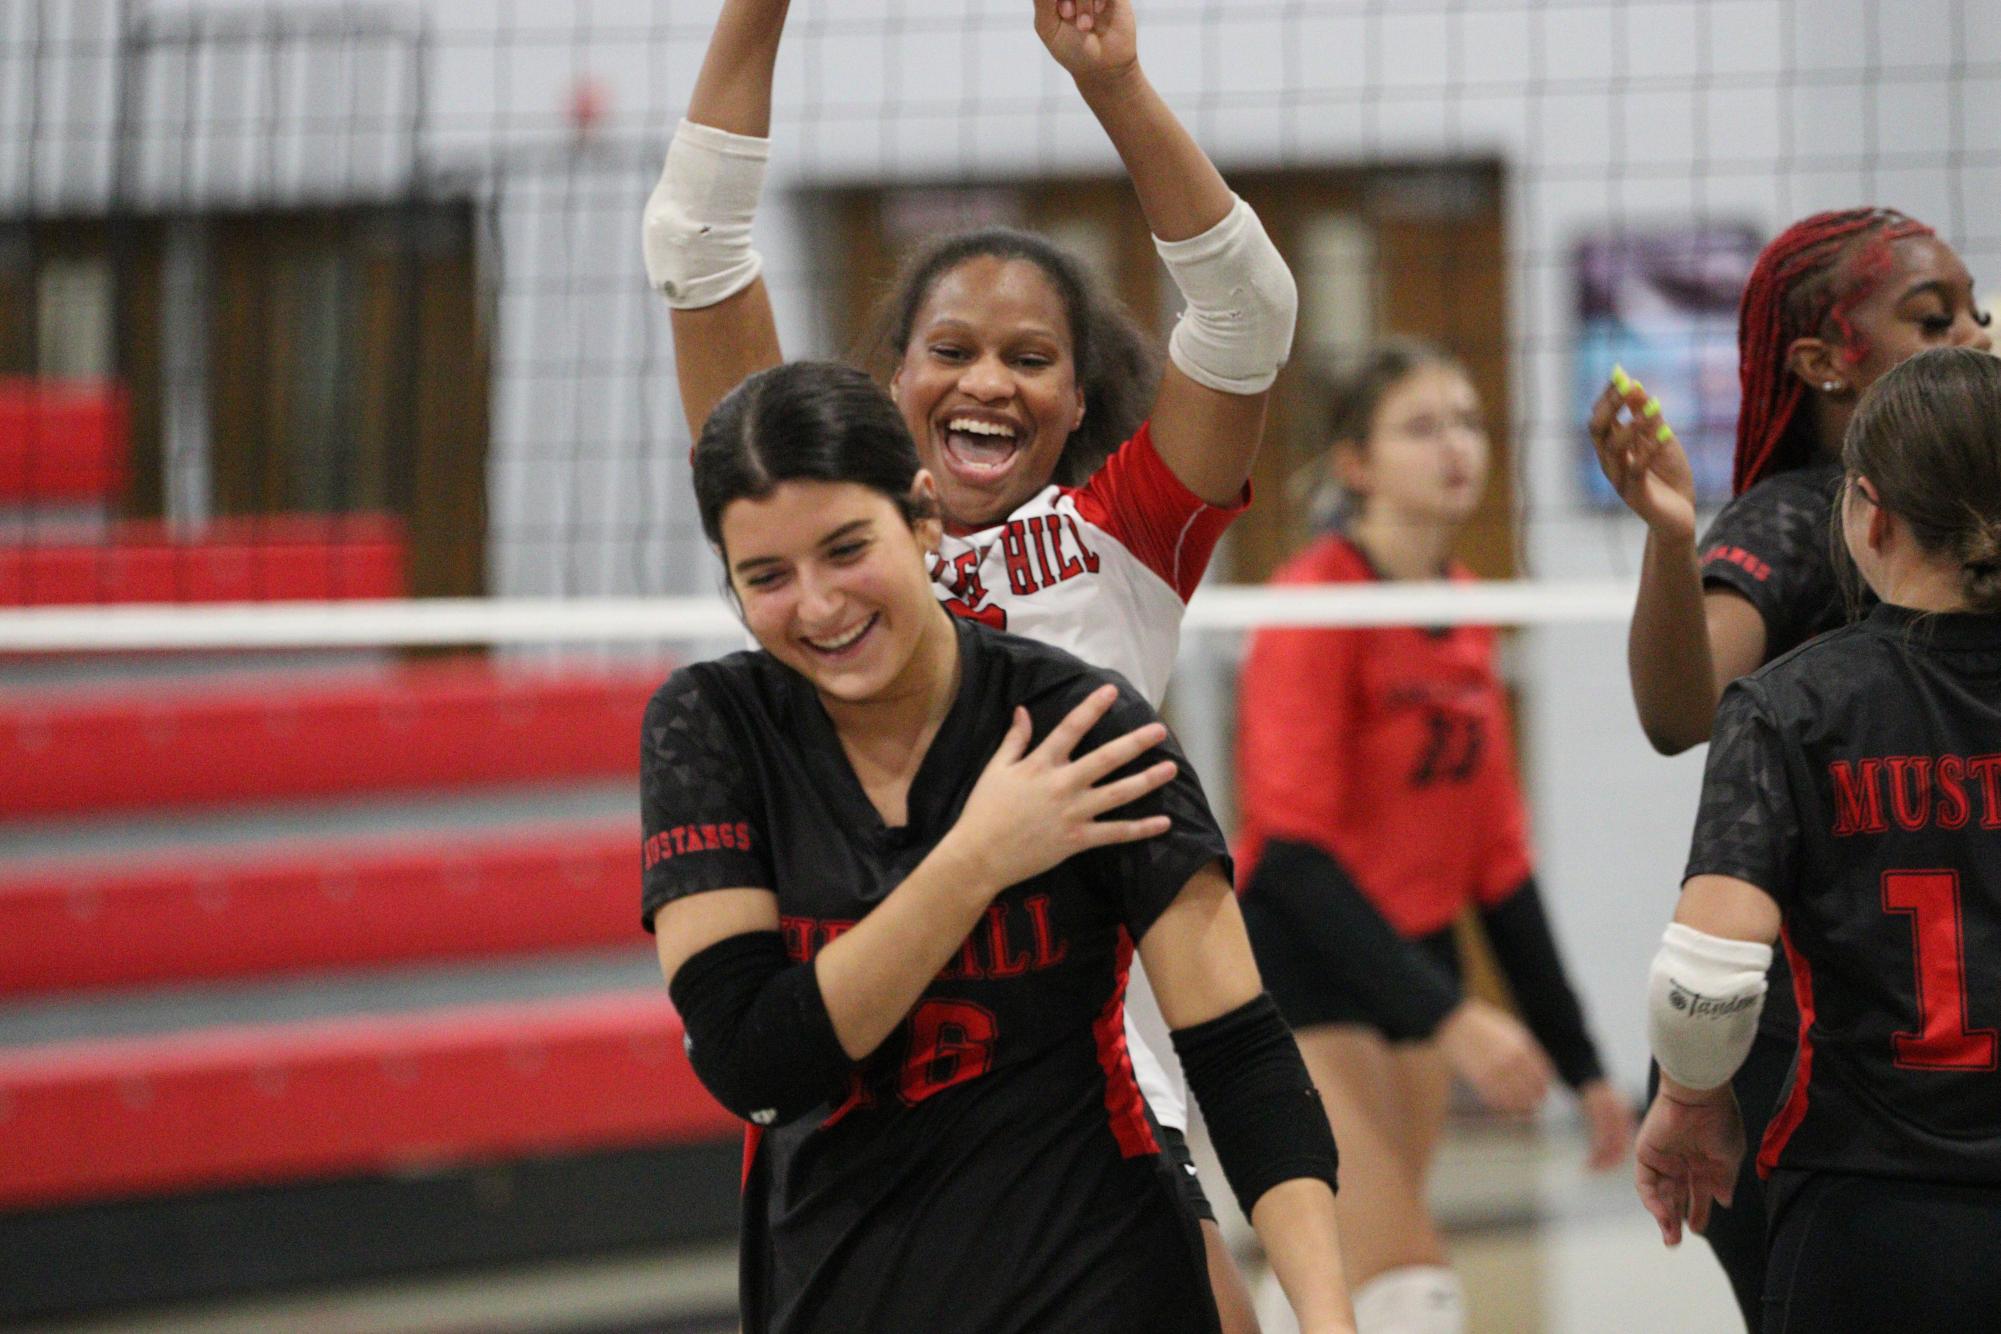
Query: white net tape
x,y
443,621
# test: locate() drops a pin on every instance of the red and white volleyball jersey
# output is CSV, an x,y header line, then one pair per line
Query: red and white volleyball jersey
x,y
1103,570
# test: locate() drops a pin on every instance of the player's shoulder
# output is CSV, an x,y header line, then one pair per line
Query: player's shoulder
x,y
1044,678
1329,559
1803,677
1803,495
715,694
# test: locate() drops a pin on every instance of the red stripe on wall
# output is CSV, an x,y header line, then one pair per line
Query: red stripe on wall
x,y
1125,1109
318,906
271,558
1787,1121
422,726
62,441
141,1116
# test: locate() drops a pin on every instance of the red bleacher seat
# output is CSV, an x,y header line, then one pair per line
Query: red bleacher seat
x,y
303,907
264,559
62,441
121,1117
427,725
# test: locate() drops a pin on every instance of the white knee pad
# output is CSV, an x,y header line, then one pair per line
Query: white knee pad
x,y
1414,1299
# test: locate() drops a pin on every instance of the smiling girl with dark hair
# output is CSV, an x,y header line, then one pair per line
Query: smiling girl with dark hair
x,y
903,962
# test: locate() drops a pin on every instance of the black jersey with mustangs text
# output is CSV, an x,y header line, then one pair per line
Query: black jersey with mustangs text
x,y
991,1167
1858,781
1772,546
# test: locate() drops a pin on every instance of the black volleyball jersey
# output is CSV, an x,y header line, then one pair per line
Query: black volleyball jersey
x,y
1773,546
991,1166
1858,781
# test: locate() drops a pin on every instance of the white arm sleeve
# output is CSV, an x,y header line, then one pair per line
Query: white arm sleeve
x,y
696,229
1703,1001
1242,303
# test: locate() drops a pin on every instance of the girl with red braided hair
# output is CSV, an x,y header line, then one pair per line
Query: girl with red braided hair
x,y
1833,302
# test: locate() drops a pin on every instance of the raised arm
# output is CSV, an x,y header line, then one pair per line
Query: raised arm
x,y
1686,644
1264,1116
1241,300
697,224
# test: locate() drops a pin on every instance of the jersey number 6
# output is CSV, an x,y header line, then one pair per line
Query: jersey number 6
x,y
1943,1042
951,1041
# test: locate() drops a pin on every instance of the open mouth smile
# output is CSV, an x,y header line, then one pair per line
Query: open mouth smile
x,y
980,447
843,644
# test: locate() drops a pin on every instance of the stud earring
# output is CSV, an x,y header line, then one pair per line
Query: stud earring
x,y
1829,386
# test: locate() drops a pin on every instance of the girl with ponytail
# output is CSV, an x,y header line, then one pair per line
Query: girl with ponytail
x,y
1833,302
1882,1175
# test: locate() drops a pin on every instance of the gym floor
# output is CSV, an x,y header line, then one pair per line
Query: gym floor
x,y
1542,1245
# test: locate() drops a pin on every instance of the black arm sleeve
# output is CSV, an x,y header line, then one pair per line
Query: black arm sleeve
x,y
1525,947
758,1032
1401,988
1264,1115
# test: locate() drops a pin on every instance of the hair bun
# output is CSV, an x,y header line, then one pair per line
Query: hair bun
x,y
1980,565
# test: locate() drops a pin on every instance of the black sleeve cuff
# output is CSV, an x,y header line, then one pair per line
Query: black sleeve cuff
x,y
1525,947
758,1032
1264,1116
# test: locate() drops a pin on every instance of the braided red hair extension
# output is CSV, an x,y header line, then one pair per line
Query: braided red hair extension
x,y
1805,281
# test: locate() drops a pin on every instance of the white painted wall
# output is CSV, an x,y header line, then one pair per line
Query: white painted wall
x,y
1642,110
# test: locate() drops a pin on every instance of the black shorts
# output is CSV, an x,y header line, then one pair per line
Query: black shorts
x,y
1174,1149
1308,995
1863,1254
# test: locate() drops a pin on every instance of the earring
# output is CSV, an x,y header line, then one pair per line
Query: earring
x,y
1829,386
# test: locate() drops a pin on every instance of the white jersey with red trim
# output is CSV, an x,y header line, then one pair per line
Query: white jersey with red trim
x,y
1105,571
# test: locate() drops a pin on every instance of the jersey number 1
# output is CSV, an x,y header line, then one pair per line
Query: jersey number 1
x,y
1943,1042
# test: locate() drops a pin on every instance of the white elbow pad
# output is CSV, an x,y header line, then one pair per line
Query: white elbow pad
x,y
1703,1002
696,230
1242,304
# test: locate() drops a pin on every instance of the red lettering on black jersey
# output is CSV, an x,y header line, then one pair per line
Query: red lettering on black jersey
x,y
951,1041
999,962
831,931
1953,806
798,934
1020,578
1987,768
1938,932
1049,951
1741,558
681,839
1911,790
1858,799
965,964
1925,791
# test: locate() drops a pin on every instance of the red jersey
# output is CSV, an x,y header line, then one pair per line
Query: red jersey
x,y
1387,748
